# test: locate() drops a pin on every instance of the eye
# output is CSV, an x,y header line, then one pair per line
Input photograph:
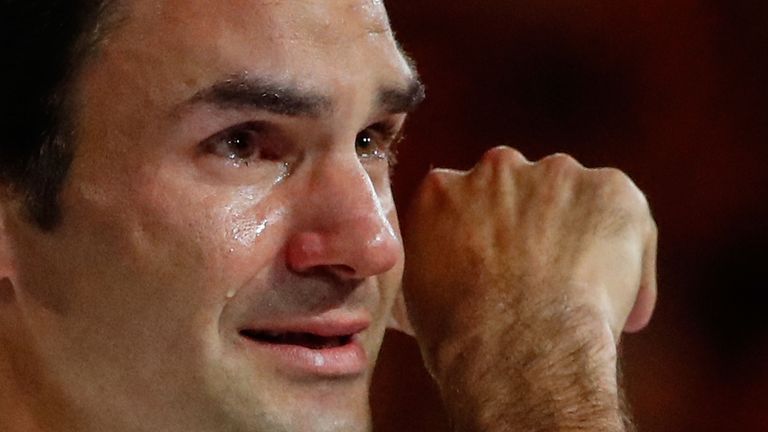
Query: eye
x,y
241,144
365,144
378,142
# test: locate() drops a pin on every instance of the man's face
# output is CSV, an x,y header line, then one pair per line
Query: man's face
x,y
229,250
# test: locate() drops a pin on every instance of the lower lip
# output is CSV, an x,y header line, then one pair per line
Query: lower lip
x,y
346,360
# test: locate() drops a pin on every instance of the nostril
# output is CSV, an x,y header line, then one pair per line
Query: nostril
x,y
343,256
305,251
343,270
353,245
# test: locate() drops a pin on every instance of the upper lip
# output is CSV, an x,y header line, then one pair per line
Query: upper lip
x,y
319,326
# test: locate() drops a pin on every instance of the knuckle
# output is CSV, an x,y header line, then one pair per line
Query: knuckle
x,y
560,163
612,176
616,186
438,180
504,156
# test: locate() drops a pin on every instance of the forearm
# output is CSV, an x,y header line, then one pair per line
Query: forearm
x,y
538,372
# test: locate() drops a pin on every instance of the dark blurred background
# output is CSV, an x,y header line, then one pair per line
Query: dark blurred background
x,y
673,92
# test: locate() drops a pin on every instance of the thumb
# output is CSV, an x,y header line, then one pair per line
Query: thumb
x,y
646,298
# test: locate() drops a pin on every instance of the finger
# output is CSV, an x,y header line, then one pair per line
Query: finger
x,y
646,298
493,159
559,162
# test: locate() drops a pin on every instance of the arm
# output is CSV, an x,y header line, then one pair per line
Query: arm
x,y
519,280
550,374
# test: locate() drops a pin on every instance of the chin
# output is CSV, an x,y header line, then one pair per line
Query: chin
x,y
266,401
341,406
330,421
312,416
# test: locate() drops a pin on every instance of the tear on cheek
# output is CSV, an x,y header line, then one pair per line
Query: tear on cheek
x,y
246,232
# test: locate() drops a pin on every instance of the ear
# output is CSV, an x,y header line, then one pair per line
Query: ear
x,y
398,319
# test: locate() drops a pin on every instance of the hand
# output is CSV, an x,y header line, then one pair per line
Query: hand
x,y
515,260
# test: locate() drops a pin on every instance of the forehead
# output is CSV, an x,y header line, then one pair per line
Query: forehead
x,y
324,21
260,35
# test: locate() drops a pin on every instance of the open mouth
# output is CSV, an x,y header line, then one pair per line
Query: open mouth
x,y
325,348
306,340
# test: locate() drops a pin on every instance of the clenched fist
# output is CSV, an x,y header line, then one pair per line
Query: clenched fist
x,y
519,280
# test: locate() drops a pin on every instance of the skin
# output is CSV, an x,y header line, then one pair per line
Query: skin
x,y
127,317
169,244
553,261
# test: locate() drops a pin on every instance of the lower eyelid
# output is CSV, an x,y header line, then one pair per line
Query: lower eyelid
x,y
377,154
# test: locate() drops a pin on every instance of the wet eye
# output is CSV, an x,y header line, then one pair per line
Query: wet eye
x,y
365,144
377,142
241,144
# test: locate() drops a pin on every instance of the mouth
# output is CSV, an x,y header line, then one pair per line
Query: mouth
x,y
318,348
307,340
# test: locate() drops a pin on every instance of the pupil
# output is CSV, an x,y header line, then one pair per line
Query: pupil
x,y
239,146
364,141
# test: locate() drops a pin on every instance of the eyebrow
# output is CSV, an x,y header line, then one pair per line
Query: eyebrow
x,y
402,99
260,94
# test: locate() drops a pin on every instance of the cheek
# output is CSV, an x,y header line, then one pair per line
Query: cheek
x,y
390,281
126,270
216,240
147,226
150,255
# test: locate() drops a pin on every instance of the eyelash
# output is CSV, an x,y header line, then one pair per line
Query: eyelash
x,y
388,136
248,138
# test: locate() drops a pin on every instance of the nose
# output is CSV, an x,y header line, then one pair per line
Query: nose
x,y
343,226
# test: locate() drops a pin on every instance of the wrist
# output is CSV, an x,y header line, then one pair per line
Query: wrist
x,y
543,371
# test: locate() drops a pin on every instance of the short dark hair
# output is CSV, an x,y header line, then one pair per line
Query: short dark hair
x,y
45,43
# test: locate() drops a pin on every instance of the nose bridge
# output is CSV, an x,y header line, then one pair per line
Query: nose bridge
x,y
344,224
341,187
